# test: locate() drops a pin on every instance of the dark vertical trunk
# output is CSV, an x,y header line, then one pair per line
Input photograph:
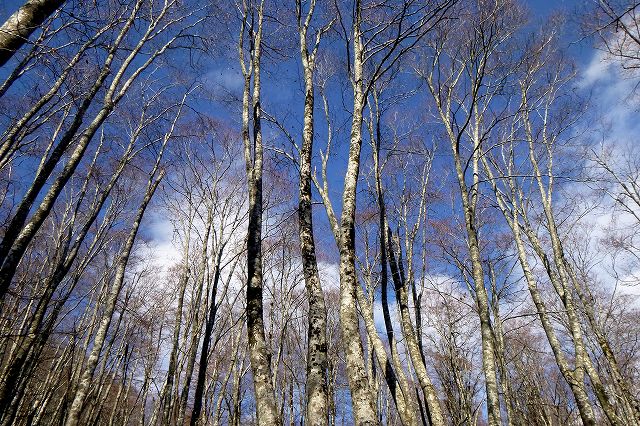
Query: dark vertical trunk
x,y
259,354
206,341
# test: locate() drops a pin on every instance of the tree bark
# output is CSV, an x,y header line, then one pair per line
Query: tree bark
x,y
266,408
434,411
574,377
316,382
20,232
394,375
16,30
362,399
196,328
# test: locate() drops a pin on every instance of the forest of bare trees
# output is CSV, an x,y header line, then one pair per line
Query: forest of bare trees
x,y
319,212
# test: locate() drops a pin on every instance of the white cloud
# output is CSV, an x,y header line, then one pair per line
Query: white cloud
x,y
598,69
228,78
613,94
329,275
614,104
162,248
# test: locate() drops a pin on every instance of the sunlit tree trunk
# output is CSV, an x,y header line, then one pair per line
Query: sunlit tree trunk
x,y
164,407
434,412
22,231
363,401
266,408
316,383
16,30
573,376
80,394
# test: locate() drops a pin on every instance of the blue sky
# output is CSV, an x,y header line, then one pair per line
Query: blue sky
x,y
282,87
282,91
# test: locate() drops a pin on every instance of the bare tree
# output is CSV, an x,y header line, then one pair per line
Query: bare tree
x,y
22,227
488,279
316,384
543,139
155,176
616,25
252,15
376,49
463,79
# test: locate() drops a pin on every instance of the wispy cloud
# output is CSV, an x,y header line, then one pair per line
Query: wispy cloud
x,y
228,78
611,130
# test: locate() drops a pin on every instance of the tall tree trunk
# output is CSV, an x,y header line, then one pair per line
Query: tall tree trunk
x,y
316,384
21,232
197,320
206,341
164,407
16,30
561,277
629,401
259,354
80,394
394,375
500,347
434,411
235,410
39,329
362,399
574,377
477,273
